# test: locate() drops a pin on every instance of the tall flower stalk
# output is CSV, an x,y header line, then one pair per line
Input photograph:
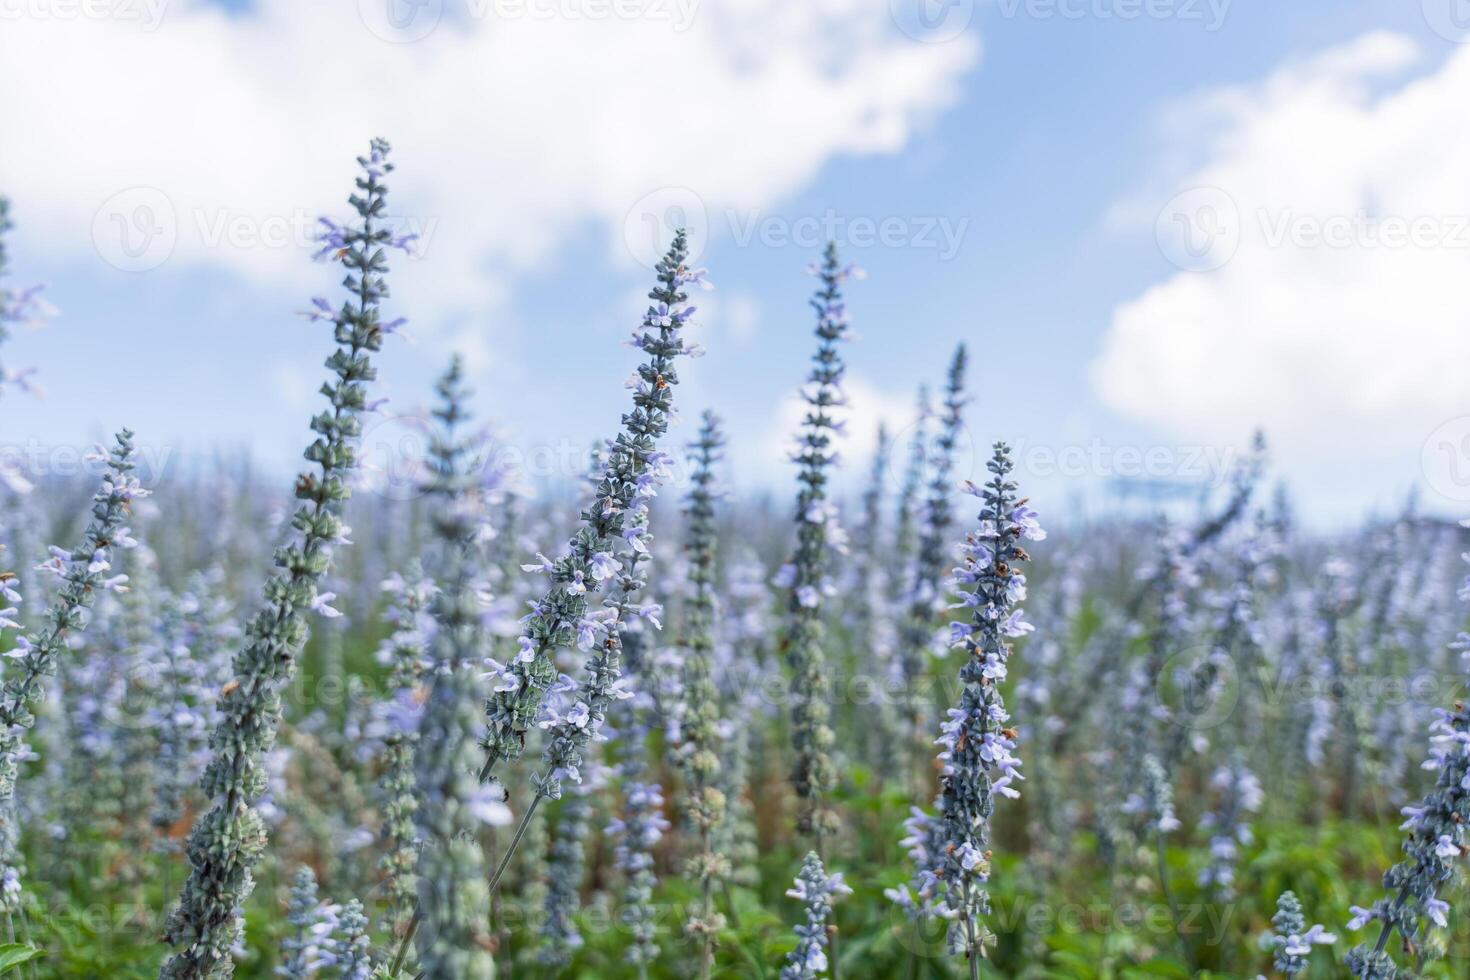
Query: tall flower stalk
x,y
17,306
922,597
1292,940
229,840
1436,844
351,954
406,652
977,758
454,900
700,754
602,558
638,833
195,636
905,533
306,947
642,825
806,577
83,572
566,867
816,890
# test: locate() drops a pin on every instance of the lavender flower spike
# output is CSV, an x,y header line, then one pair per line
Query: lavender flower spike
x,y
816,890
922,599
807,574
700,754
17,306
977,744
405,651
638,833
350,956
633,470
566,866
454,902
228,840
1437,840
84,575
1292,940
305,949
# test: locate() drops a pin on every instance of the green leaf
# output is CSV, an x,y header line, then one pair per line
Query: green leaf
x,y
13,955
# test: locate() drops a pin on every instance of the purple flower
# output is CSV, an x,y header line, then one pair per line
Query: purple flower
x,y
1014,626
634,537
1025,518
321,310
603,566
542,564
320,604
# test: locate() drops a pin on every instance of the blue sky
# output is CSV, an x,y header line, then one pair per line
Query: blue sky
x,y
1045,145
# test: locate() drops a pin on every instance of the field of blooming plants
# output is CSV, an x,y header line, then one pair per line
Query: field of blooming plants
x,y
261,730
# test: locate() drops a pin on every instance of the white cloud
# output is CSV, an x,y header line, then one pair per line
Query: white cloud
x,y
742,319
1349,344
513,131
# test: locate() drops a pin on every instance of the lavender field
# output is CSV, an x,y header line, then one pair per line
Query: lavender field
x,y
406,718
